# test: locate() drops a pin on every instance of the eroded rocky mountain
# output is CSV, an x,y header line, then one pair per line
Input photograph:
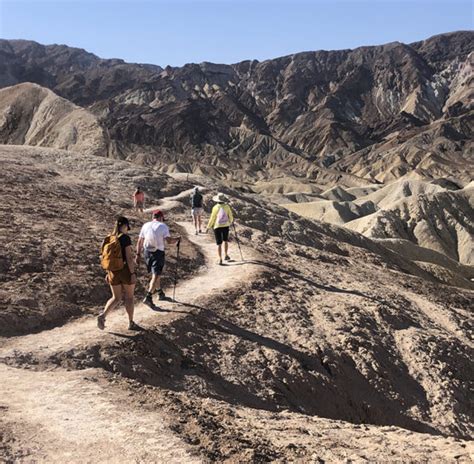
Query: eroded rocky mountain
x,y
350,116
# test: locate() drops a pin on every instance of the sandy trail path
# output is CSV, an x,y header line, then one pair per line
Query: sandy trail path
x,y
78,416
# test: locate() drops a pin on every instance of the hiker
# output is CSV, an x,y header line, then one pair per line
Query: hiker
x,y
196,209
139,200
220,220
152,239
117,260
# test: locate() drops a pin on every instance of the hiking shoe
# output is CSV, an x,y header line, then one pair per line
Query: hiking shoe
x,y
200,231
133,326
197,233
221,263
227,258
148,300
101,322
161,295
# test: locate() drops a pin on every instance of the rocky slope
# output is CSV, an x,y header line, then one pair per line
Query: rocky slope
x,y
73,73
442,222
33,115
57,208
376,112
429,222
336,347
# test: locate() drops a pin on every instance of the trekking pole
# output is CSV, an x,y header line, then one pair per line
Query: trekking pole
x,y
237,240
176,269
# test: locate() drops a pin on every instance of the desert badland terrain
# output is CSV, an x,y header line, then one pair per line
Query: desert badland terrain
x,y
345,334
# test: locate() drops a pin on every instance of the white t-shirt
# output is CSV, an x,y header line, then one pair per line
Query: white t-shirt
x,y
154,234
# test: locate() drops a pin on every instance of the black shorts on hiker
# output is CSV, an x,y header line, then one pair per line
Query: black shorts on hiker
x,y
155,261
221,234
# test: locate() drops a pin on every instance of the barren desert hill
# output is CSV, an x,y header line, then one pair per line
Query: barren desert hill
x,y
372,112
443,222
349,348
421,220
401,189
33,115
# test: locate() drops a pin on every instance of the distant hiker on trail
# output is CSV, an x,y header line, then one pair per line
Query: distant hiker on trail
x,y
196,209
139,200
220,220
117,260
152,239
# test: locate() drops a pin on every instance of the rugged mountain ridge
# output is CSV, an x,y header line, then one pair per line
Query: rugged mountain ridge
x,y
348,108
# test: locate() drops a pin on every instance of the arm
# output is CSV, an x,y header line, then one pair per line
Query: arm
x,y
231,215
131,263
172,240
212,219
167,237
139,249
129,258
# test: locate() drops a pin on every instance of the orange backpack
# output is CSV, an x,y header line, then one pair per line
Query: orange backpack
x,y
111,257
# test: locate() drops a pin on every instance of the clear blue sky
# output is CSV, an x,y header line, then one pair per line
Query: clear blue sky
x,y
226,31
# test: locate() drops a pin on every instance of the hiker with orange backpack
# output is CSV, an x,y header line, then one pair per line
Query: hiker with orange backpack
x,y
221,219
117,260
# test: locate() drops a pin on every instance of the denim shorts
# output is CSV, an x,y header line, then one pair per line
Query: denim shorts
x,y
155,261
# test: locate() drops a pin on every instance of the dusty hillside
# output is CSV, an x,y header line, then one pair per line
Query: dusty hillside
x,y
57,208
428,222
372,112
33,115
324,346
442,222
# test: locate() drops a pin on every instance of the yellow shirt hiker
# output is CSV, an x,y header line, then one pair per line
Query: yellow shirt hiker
x,y
221,220
221,216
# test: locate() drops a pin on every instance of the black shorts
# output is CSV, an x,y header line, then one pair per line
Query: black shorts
x,y
155,261
221,234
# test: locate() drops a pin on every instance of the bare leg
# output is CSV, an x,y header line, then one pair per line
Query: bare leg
x,y
195,222
128,291
199,222
155,283
226,248
219,251
115,300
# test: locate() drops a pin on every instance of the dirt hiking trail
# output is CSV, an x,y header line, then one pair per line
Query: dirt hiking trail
x,y
57,415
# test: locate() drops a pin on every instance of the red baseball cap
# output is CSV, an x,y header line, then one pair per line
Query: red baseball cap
x,y
158,213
